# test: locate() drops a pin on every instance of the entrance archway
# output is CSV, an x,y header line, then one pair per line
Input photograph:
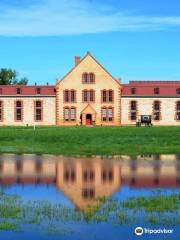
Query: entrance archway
x,y
88,119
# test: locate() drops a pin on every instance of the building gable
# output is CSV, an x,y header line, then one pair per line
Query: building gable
x,y
88,65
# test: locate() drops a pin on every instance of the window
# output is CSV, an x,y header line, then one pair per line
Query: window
x,y
107,175
110,114
69,173
70,114
18,111
73,114
156,110
156,90
107,95
73,96
88,95
156,106
1,111
133,91
38,111
133,110
104,95
66,114
88,77
107,114
38,90
111,93
66,96
69,96
178,90
18,91
91,95
178,110
91,78
88,175
85,96
88,193
85,77
104,114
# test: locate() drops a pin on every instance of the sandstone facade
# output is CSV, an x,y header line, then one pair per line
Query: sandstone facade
x,y
90,95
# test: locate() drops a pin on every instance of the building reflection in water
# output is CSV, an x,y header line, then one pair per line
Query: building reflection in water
x,y
84,180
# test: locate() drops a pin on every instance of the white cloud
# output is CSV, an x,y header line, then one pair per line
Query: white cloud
x,y
70,17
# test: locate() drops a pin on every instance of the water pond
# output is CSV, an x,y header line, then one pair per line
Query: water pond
x,y
55,197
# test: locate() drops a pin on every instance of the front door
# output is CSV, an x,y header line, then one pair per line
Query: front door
x,y
88,119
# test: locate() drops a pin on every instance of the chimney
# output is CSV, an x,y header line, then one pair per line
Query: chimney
x,y
77,60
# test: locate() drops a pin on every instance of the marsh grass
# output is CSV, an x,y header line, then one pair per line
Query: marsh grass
x,y
8,226
90,141
157,203
156,209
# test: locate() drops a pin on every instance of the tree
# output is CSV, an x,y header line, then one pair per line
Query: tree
x,y
10,77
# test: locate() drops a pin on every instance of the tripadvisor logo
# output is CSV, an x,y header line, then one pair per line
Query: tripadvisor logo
x,y
138,231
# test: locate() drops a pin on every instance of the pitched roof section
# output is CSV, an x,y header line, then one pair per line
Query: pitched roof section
x,y
88,109
11,90
147,88
88,54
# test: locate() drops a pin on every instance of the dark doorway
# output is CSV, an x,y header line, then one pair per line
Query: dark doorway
x,y
88,119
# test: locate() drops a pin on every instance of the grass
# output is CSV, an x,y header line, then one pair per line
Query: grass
x,y
8,226
157,203
90,141
59,218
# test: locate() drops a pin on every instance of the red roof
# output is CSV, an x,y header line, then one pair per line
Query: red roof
x,y
27,90
147,88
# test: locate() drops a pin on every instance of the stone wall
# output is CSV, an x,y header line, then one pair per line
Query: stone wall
x,y
103,80
49,111
145,107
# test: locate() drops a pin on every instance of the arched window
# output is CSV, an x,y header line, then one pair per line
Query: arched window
x,y
88,193
73,95
18,111
88,95
156,110
178,110
104,96
69,173
38,110
110,95
91,77
88,175
85,96
69,95
107,96
107,175
66,95
1,111
88,78
133,110
85,78
91,96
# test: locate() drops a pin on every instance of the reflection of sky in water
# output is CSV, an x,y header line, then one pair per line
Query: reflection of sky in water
x,y
42,193
61,192
50,193
82,230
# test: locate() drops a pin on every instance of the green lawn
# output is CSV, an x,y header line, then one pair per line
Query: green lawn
x,y
90,141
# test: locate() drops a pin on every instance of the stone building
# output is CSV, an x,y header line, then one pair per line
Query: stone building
x,y
89,95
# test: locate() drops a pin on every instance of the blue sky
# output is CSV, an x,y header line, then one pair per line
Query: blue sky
x,y
133,39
